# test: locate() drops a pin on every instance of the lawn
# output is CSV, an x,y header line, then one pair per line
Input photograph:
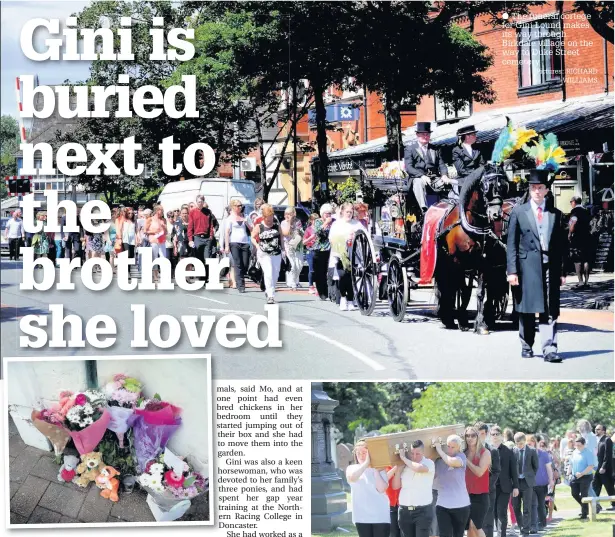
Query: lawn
x,y
603,527
351,532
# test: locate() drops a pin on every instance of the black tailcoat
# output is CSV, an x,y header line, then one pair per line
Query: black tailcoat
x,y
416,165
524,258
466,164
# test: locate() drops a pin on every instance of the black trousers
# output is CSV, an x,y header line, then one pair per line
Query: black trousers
x,y
452,522
490,516
321,263
606,480
541,493
522,506
241,261
416,523
501,509
395,531
345,284
202,251
579,488
72,247
372,530
14,247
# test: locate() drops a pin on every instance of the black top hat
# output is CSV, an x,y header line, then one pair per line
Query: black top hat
x,y
468,129
423,126
539,177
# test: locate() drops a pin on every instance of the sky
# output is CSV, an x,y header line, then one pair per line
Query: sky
x,y
14,63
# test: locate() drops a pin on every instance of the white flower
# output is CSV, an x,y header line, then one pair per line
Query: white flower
x,y
74,414
88,421
81,424
158,488
156,468
145,480
87,409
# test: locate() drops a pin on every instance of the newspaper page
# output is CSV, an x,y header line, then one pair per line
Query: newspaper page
x,y
216,215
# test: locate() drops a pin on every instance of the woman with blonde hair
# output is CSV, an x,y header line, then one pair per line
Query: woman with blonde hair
x,y
237,244
370,504
477,480
292,235
453,504
309,242
267,238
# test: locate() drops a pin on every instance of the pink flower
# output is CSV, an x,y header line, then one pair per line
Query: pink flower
x,y
119,378
81,399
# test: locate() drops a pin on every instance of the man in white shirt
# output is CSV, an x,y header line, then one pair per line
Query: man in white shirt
x,y
415,479
535,252
14,232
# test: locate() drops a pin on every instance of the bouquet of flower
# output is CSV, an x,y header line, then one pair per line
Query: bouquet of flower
x,y
87,420
154,422
169,488
122,395
50,422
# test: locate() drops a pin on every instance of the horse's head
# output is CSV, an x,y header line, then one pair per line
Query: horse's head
x,y
494,186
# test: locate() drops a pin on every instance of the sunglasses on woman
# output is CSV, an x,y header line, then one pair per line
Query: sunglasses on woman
x,y
471,435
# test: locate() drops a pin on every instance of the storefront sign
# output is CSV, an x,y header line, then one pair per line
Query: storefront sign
x,y
350,164
336,112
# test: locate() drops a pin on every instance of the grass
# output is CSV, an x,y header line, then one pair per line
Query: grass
x,y
352,532
603,527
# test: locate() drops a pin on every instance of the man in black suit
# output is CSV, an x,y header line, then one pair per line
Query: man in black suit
x,y
466,159
527,466
508,480
494,472
536,250
422,159
604,473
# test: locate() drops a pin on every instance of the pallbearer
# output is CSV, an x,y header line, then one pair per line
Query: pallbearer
x,y
535,260
466,159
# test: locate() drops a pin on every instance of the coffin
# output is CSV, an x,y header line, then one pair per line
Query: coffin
x,y
383,450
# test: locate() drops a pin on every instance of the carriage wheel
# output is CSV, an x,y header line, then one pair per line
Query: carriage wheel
x,y
397,283
363,273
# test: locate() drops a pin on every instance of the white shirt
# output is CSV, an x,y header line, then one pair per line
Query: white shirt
x,y
416,488
339,233
368,505
468,148
14,228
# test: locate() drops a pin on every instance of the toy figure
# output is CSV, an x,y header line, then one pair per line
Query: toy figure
x,y
108,483
88,470
68,470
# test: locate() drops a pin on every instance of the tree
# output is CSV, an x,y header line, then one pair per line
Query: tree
x,y
529,407
600,17
9,145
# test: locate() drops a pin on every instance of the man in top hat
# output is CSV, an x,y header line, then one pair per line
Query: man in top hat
x,y
422,159
535,254
466,159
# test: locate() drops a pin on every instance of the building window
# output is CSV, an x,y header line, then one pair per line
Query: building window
x,y
446,112
540,60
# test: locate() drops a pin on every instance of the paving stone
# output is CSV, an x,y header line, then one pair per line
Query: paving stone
x,y
95,508
46,468
14,487
27,497
115,519
199,510
133,508
44,516
16,445
68,520
18,519
63,500
23,464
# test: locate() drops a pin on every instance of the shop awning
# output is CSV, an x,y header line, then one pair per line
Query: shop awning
x,y
583,114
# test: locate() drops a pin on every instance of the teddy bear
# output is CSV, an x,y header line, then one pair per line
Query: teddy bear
x,y
68,470
107,482
88,470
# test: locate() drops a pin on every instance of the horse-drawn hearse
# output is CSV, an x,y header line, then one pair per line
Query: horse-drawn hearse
x,y
460,241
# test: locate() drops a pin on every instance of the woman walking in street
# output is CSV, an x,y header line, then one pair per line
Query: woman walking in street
x,y
40,239
453,505
309,240
127,232
321,248
370,504
267,238
292,235
477,481
341,235
155,229
237,243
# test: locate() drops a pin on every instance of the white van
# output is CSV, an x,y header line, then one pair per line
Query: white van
x,y
218,192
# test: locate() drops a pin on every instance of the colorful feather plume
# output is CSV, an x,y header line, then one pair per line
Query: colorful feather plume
x,y
546,152
511,139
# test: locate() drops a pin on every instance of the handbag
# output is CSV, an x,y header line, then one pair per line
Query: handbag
x,y
255,272
118,245
285,266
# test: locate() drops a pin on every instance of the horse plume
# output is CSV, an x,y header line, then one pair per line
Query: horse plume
x,y
546,152
511,139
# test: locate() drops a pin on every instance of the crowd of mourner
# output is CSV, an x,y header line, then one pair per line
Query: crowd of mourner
x,y
483,483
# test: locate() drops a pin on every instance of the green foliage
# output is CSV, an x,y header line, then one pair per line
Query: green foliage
x,y
122,459
393,428
522,406
9,145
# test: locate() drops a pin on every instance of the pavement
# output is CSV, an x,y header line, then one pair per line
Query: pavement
x,y
37,497
322,343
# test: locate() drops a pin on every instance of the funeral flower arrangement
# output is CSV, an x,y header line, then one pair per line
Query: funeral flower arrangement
x,y
162,482
87,408
122,395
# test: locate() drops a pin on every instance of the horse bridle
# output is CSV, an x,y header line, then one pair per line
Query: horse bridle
x,y
493,181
